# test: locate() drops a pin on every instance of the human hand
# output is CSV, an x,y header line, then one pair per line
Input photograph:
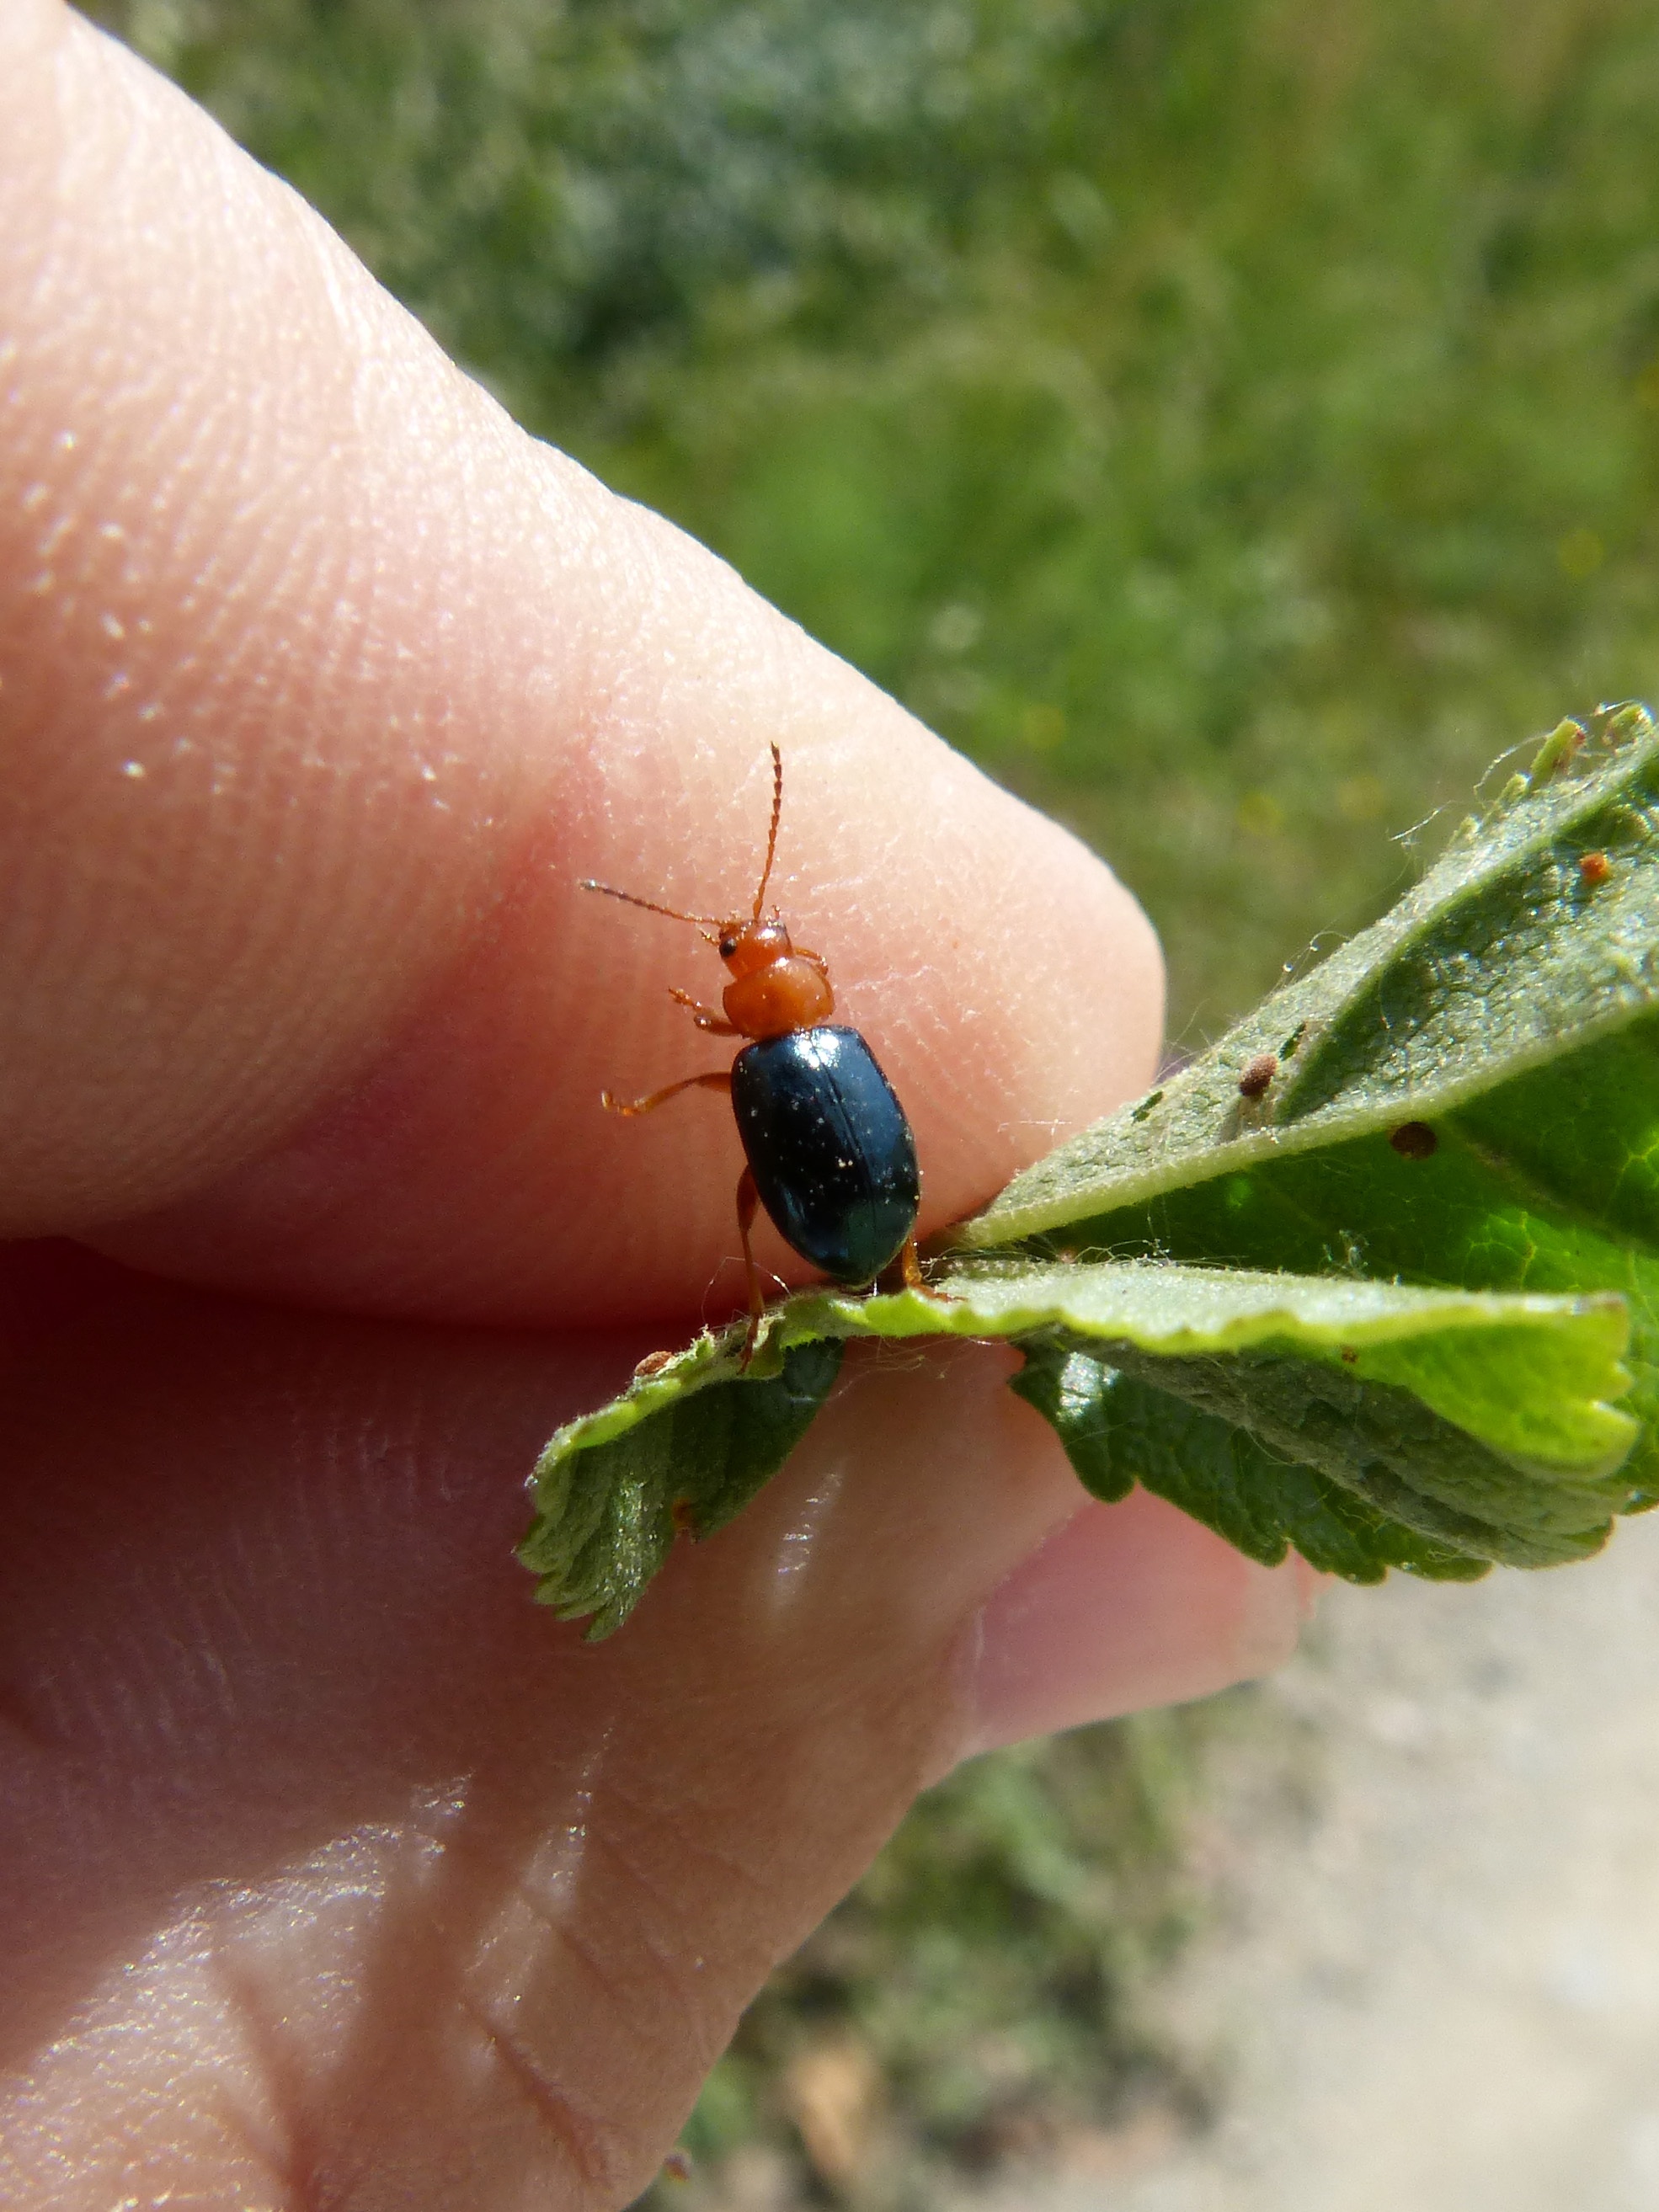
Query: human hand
x,y
334,1870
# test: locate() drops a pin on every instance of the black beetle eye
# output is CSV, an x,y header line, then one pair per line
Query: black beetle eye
x,y
728,946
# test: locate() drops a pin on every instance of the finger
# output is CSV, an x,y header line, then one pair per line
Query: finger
x,y
327,1856
328,686
1126,1606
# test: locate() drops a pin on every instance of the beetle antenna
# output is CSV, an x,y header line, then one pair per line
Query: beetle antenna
x,y
632,898
772,835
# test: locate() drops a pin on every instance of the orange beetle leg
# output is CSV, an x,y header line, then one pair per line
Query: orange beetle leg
x,y
704,1016
907,1266
748,1204
723,1081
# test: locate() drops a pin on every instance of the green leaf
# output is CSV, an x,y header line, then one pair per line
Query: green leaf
x,y
1505,1014
1484,1424
1118,1431
612,1491
1376,1303
1504,961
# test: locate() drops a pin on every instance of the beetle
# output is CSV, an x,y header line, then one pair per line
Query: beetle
x,y
829,1154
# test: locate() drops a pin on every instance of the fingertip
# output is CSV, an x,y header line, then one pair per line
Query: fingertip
x,y
1126,1606
1008,985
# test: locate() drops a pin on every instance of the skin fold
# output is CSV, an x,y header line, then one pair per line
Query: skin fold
x,y
332,1872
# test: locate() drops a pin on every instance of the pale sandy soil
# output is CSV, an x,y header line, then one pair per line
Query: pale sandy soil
x,y
1433,1982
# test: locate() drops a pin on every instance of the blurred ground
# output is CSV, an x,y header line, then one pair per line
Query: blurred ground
x,y
1434,1983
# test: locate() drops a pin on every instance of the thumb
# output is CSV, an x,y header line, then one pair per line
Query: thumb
x,y
328,1856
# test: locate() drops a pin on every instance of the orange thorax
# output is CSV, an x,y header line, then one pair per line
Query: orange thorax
x,y
774,989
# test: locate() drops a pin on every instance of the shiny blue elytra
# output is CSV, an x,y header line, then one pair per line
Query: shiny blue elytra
x,y
829,1149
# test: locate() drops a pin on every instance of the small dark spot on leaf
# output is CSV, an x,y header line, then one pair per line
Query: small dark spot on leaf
x,y
653,1364
1594,867
1414,1141
1349,1354
1257,1074
1146,1106
1293,1040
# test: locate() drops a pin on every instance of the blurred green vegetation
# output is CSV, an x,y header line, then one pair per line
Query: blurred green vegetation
x,y
1234,422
